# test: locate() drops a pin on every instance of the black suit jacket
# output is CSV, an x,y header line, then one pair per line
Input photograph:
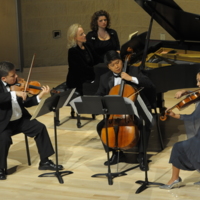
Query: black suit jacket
x,y
148,94
6,106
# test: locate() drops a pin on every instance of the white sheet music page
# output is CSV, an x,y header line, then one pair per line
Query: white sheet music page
x,y
69,97
37,110
142,104
129,101
72,103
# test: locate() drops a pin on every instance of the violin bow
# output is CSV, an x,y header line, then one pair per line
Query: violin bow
x,y
191,92
29,73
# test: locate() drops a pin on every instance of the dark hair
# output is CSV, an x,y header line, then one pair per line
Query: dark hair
x,y
5,68
95,17
110,56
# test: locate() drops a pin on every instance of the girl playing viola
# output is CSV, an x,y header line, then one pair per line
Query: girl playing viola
x,y
185,155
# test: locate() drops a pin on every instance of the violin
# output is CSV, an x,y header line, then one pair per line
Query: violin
x,y
33,87
193,97
121,130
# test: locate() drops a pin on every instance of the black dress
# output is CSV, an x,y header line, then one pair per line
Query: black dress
x,y
102,46
185,155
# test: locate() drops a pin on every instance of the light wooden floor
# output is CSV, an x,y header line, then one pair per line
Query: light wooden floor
x,y
80,151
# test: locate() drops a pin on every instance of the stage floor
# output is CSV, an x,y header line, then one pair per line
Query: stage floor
x,y
80,151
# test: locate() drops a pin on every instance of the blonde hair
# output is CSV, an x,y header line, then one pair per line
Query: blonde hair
x,y
71,35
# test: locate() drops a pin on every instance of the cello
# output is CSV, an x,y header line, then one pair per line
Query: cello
x,y
121,129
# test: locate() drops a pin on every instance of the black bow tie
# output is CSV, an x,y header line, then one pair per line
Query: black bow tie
x,y
8,85
116,76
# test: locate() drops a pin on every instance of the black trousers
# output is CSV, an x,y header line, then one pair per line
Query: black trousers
x,y
141,148
31,128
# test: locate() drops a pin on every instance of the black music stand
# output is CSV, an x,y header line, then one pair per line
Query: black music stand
x,y
145,183
54,103
105,105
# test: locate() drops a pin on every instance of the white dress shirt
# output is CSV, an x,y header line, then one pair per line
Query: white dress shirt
x,y
117,80
16,110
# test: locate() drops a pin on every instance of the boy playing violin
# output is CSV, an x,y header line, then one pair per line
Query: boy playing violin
x,y
15,119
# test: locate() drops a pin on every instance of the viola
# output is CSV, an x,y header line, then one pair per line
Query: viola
x,y
121,129
54,91
191,98
32,87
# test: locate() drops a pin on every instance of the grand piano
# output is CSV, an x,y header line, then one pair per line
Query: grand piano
x,y
169,64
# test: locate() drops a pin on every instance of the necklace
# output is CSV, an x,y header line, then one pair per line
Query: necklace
x,y
104,36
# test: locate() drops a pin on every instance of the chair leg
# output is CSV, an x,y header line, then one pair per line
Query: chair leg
x,y
158,129
79,117
78,121
27,150
72,113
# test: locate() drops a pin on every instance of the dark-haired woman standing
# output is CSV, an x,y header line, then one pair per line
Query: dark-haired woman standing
x,y
102,38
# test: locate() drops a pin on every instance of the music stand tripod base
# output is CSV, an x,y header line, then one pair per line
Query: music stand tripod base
x,y
56,174
110,176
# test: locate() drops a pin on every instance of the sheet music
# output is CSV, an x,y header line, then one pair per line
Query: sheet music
x,y
69,97
129,101
132,35
54,102
72,103
37,110
142,104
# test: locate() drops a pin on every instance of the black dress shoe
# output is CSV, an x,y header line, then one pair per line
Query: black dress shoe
x,y
114,158
142,164
2,174
49,165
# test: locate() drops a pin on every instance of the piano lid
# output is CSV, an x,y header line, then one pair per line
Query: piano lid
x,y
179,24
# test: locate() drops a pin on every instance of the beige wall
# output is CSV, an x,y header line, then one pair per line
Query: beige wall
x,y
9,46
41,17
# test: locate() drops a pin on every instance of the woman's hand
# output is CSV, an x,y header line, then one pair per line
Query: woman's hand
x,y
172,114
180,93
